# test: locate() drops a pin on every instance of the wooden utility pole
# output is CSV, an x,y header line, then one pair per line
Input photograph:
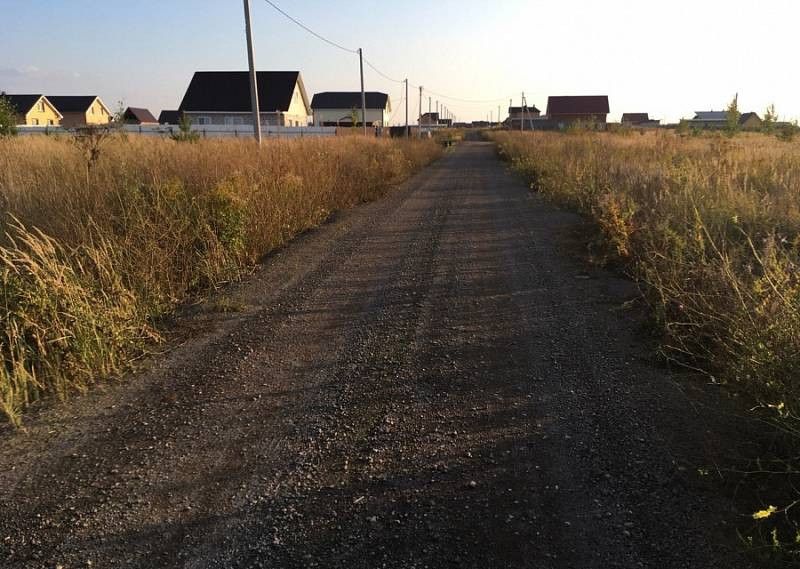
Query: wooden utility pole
x,y
408,132
363,95
253,80
522,112
419,120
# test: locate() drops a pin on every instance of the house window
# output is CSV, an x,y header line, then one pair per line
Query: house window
x,y
35,122
234,120
203,120
92,109
41,106
50,122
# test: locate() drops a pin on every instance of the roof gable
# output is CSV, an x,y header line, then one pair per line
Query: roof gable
x,y
139,115
578,105
23,103
349,100
229,91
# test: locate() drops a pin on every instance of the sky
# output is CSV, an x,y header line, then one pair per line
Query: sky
x,y
666,58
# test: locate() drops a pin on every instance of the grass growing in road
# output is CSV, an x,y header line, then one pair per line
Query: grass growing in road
x,y
94,253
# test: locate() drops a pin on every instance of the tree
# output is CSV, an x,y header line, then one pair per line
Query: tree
x,y
733,116
8,117
185,132
770,118
355,116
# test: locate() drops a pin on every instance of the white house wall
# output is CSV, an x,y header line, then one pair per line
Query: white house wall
x,y
374,116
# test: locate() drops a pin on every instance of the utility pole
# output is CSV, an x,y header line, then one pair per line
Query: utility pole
x,y
429,105
408,133
253,80
419,120
363,95
498,115
522,112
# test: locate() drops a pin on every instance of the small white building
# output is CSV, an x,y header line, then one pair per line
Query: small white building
x,y
339,108
223,98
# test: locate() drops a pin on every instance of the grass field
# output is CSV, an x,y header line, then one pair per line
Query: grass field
x,y
710,226
99,245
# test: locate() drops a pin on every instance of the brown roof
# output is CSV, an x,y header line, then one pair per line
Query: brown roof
x,y
139,116
578,105
528,109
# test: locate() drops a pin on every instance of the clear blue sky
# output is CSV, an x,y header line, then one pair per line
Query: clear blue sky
x,y
665,58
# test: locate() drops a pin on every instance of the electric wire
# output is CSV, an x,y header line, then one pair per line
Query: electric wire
x,y
373,66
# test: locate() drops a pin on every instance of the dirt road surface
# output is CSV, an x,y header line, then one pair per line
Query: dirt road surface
x,y
432,380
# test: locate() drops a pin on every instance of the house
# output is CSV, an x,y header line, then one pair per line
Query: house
x,y
719,119
338,108
639,120
34,110
170,117
134,115
518,114
429,119
223,98
750,121
81,110
566,110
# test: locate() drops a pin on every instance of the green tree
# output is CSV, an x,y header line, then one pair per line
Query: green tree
x,y
770,118
733,116
185,132
355,116
8,117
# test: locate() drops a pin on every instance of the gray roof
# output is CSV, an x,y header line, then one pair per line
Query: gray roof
x,y
711,116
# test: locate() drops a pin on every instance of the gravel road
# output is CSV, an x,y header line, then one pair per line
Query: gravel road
x,y
432,380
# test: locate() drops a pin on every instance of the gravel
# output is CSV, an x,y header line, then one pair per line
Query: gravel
x,y
432,380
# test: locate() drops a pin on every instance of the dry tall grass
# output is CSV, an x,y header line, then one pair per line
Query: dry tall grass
x,y
710,225
92,256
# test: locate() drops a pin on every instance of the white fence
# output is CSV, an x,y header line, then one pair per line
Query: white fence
x,y
205,131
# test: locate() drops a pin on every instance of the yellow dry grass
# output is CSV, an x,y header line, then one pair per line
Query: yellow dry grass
x,y
92,256
710,226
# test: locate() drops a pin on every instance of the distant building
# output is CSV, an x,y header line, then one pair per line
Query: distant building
x,y
750,121
639,120
339,108
170,117
223,98
563,111
81,110
134,115
429,119
516,115
34,110
719,120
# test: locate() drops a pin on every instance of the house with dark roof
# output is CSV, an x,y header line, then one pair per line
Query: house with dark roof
x,y
339,108
34,110
563,111
170,117
81,110
719,120
527,113
135,115
429,119
639,120
223,98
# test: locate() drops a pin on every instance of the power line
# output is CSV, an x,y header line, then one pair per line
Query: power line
x,y
309,30
381,73
373,66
